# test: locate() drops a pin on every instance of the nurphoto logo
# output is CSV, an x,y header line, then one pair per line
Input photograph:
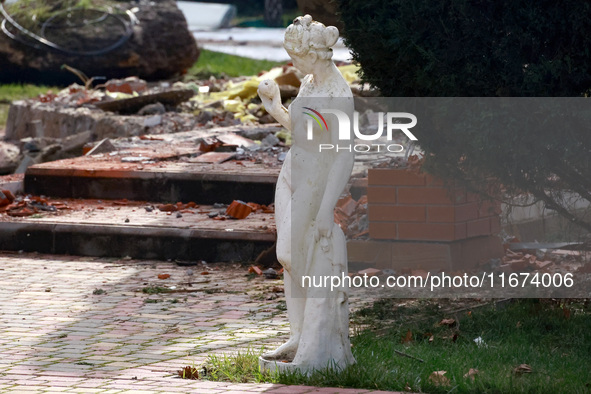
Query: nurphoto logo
x,y
344,130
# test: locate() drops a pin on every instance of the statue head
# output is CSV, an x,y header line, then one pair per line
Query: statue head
x,y
306,36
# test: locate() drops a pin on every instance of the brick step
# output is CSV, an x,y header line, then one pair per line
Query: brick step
x,y
126,228
164,168
166,181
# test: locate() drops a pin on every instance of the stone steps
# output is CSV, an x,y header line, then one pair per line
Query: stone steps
x,y
137,229
161,168
106,195
169,181
103,199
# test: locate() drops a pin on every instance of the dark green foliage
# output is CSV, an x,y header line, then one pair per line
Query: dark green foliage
x,y
486,48
472,47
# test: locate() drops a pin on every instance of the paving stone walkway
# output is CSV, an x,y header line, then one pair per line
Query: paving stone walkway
x,y
86,325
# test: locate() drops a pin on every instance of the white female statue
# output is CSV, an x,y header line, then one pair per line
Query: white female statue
x,y
309,243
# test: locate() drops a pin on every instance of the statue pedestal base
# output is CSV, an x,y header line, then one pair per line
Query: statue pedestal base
x,y
276,365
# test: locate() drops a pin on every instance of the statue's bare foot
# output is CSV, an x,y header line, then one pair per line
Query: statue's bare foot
x,y
287,351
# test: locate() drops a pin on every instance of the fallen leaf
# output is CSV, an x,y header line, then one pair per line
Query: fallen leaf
x,y
566,313
205,273
163,276
521,369
438,378
408,337
188,372
447,322
407,387
431,339
472,372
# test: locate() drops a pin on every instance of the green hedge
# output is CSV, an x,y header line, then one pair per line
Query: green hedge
x,y
472,47
486,48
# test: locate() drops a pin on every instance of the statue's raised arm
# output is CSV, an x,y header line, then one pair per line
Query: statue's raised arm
x,y
270,96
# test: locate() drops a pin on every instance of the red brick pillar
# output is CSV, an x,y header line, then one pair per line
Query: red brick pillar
x,y
405,205
418,214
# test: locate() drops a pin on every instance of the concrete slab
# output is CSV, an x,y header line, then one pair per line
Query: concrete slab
x,y
207,16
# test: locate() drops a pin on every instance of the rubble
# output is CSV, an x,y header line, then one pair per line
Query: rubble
x,y
6,197
13,183
75,142
9,160
74,114
255,270
270,273
128,85
213,157
29,205
131,105
25,163
370,272
238,210
152,109
152,121
103,146
351,216
234,140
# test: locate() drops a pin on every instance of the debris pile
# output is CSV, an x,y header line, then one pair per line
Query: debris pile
x,y
269,273
27,206
132,107
351,216
170,208
544,258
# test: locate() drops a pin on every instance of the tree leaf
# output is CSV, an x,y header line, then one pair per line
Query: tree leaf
x,y
438,378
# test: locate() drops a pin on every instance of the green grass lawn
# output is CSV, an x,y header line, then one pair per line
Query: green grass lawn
x,y
11,92
554,343
218,64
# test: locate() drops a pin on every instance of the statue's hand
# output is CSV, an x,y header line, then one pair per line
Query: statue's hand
x,y
324,223
270,96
